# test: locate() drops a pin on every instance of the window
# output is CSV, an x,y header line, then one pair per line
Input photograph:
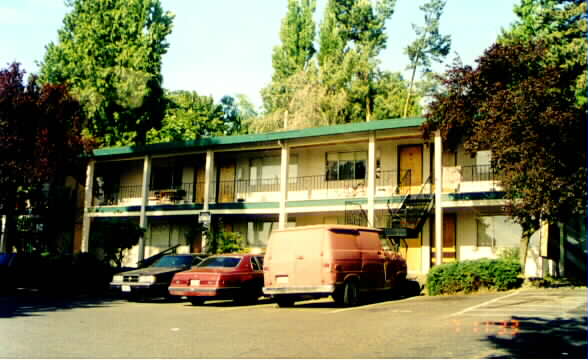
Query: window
x,y
498,232
166,177
269,168
346,165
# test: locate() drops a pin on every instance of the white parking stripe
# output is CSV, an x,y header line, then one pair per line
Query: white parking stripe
x,y
371,305
471,308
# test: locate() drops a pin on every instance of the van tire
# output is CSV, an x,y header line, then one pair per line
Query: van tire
x,y
284,301
351,293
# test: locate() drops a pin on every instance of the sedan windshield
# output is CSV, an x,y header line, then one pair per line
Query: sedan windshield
x,y
174,261
221,261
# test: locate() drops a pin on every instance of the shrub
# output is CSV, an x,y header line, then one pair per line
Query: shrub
x,y
473,275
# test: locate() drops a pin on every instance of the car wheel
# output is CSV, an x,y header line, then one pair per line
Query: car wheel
x,y
351,294
284,301
196,301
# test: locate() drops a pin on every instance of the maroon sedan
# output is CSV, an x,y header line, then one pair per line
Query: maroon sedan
x,y
232,276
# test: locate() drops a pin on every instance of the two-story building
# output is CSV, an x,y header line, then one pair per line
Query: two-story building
x,y
380,173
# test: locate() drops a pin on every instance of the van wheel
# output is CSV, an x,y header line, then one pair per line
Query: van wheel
x,y
351,294
284,301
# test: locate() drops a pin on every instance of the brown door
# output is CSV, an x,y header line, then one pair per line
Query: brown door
x,y
226,185
449,240
410,158
200,179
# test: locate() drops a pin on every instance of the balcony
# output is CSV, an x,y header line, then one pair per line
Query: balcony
x,y
301,188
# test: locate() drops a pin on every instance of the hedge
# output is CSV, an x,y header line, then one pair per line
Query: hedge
x,y
472,275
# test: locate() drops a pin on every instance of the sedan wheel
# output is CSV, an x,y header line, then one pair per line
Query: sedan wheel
x,y
196,301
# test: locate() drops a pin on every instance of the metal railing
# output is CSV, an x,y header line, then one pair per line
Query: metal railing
x,y
477,173
312,187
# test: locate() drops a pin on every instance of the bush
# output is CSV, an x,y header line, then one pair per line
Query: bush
x,y
473,275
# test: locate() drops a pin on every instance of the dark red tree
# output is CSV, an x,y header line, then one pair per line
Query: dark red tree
x,y
525,111
40,144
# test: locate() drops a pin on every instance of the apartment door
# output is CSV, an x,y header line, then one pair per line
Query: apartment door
x,y
449,240
200,179
226,184
410,157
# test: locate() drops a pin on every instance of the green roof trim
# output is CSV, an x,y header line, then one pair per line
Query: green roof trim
x,y
220,141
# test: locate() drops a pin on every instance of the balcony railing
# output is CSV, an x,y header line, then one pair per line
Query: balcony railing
x,y
477,173
315,187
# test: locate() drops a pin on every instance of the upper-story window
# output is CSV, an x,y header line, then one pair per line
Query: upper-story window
x,y
267,168
346,165
166,176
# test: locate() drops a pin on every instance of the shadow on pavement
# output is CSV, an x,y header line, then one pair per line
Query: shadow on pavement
x,y
542,338
31,303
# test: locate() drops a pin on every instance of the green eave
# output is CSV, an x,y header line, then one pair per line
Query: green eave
x,y
223,141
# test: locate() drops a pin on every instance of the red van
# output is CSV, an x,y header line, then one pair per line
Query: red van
x,y
341,261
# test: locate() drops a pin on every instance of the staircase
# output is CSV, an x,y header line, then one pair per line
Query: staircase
x,y
404,221
408,219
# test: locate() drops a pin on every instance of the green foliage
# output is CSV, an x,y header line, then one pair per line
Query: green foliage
x,y
524,91
113,237
224,242
110,53
429,45
473,275
189,116
339,84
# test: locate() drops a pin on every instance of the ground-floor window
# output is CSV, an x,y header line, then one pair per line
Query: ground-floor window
x,y
498,231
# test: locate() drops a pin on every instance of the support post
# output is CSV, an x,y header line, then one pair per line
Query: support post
x,y
438,207
285,160
144,200
88,197
371,189
208,168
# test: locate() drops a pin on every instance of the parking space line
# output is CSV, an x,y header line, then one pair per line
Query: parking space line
x,y
471,308
371,305
247,307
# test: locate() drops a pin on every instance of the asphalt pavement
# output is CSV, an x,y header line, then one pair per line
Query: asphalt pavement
x,y
528,323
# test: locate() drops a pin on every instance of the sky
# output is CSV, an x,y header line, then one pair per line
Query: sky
x,y
224,47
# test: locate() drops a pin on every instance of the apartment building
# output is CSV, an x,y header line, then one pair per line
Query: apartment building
x,y
380,173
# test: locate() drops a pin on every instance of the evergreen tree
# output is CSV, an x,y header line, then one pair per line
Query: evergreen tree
x,y
293,54
429,45
110,52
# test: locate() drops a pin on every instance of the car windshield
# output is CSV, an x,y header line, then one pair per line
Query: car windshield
x,y
5,259
220,261
174,261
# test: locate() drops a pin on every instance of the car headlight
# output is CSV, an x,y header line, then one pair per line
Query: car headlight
x,y
117,278
147,279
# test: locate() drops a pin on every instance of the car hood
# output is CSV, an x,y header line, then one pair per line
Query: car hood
x,y
151,271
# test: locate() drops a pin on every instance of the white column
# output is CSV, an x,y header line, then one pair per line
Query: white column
x,y
208,178
438,207
284,186
88,197
3,233
144,200
371,188
208,169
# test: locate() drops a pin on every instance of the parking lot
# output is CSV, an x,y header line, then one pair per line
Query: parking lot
x,y
523,323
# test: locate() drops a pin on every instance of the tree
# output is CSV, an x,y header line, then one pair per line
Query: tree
x,y
114,247
351,37
109,53
391,91
189,116
525,110
40,144
293,55
429,45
